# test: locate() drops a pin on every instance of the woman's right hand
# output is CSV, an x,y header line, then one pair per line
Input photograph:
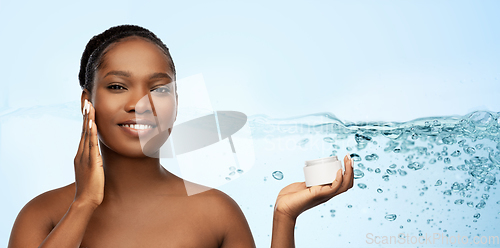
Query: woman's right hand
x,y
89,173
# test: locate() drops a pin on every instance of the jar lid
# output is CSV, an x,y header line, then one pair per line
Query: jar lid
x,y
322,160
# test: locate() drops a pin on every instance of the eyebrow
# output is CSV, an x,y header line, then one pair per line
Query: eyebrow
x,y
155,75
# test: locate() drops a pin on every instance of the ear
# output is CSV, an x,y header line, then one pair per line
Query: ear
x,y
85,95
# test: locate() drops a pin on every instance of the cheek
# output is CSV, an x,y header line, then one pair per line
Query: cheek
x,y
105,110
166,109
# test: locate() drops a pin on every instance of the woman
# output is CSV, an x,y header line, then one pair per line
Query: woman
x,y
123,198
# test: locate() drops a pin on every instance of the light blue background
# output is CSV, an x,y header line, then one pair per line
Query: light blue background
x,y
360,60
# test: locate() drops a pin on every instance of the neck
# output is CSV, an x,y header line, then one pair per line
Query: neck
x,y
129,180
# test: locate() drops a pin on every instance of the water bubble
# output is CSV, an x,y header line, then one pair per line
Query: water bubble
x,y
228,178
265,179
231,173
392,166
408,220
379,190
490,179
390,146
401,227
402,172
479,146
328,140
477,216
481,204
391,172
447,192
461,143
422,182
448,140
358,174
447,160
239,171
335,146
361,165
481,119
495,156
371,157
278,175
390,217
432,161
361,138
456,153
385,177
232,168
459,202
485,196
470,204
349,206
438,183
469,150
362,185
377,170
455,187
355,157
421,193
332,210
415,166
369,169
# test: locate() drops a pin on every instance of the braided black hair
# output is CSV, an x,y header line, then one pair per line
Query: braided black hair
x,y
93,54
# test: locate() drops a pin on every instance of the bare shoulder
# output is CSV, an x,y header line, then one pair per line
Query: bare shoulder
x,y
226,217
36,219
213,200
51,204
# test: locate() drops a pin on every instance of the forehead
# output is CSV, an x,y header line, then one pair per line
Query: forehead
x,y
136,55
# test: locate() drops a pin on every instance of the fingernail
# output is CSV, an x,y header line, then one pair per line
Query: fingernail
x,y
85,107
90,124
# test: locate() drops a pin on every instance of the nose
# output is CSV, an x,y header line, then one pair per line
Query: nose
x,y
139,102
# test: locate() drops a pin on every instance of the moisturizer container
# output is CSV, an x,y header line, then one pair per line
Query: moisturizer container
x,y
321,171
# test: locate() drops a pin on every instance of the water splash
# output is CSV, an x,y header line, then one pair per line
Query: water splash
x,y
461,153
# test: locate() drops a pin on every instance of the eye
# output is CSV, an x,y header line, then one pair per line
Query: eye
x,y
162,89
116,87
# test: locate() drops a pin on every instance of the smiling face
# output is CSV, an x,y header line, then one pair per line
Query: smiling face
x,y
134,97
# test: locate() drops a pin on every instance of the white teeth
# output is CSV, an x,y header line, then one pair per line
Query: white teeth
x,y
137,126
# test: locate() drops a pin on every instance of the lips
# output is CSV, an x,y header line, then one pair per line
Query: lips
x,y
136,127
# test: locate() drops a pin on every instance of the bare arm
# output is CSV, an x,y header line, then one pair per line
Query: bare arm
x,y
283,231
33,225
297,198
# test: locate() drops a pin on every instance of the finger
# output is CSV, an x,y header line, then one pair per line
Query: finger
x,y
94,145
347,175
337,183
352,174
85,154
82,138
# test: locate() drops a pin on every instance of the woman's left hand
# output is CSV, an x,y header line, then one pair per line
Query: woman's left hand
x,y
297,198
